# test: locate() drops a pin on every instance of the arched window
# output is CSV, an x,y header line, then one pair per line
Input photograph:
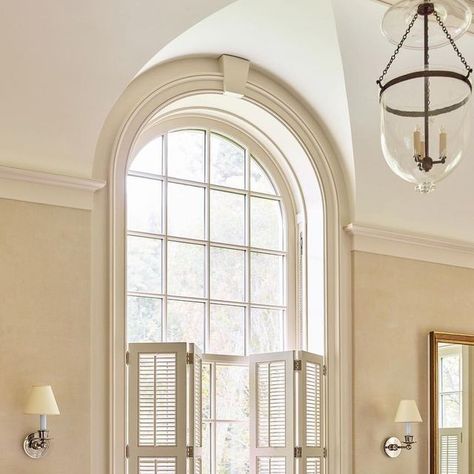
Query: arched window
x,y
211,259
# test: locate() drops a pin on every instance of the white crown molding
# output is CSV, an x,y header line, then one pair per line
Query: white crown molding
x,y
410,245
47,188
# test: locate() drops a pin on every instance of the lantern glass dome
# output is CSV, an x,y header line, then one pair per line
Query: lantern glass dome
x,y
404,127
455,15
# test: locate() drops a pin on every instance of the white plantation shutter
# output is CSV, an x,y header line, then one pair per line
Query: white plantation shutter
x,y
310,411
286,413
271,414
162,408
194,432
449,451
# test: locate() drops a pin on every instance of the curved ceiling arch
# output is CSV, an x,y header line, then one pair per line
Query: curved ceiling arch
x,y
294,41
67,63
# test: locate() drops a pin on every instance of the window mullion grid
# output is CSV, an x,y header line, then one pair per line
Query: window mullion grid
x,y
207,323
247,253
207,220
164,224
213,424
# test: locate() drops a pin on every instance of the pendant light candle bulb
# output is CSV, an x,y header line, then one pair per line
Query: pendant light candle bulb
x,y
417,141
443,143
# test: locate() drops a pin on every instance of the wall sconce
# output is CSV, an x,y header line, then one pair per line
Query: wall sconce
x,y
407,413
40,402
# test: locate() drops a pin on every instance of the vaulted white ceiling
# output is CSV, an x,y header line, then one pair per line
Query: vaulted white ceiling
x,y
65,64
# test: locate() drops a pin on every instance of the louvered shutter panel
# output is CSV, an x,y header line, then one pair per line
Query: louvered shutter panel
x,y
194,432
286,412
310,402
162,404
271,413
449,451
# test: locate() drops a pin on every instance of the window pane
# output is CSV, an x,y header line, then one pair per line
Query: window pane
x,y
144,264
266,278
266,330
227,217
266,229
185,211
259,180
143,204
232,452
206,391
206,448
227,330
227,162
149,158
185,269
143,319
227,274
186,154
185,322
451,410
232,392
451,373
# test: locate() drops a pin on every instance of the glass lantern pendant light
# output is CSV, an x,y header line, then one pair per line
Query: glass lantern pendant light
x,y
424,113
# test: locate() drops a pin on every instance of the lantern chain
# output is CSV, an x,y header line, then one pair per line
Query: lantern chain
x,y
453,44
397,50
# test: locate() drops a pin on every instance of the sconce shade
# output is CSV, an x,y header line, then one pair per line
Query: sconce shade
x,y
408,412
41,401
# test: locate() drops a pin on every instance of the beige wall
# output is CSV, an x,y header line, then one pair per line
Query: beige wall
x,y
45,334
45,331
396,303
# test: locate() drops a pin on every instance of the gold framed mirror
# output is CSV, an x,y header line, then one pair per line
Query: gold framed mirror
x,y
451,403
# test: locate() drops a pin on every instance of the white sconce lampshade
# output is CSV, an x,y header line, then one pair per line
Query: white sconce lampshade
x,y
41,401
408,412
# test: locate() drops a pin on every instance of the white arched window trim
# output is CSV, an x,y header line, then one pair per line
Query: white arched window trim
x,y
152,92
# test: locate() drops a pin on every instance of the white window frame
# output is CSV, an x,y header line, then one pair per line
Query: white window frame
x,y
293,223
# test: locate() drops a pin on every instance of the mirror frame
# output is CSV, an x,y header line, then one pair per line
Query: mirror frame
x,y
435,339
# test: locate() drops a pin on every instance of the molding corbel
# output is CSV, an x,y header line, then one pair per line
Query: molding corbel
x,y
236,72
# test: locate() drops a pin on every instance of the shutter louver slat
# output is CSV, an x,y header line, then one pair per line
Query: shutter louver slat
x,y
271,404
310,403
449,453
313,466
157,400
163,408
313,405
149,465
271,413
271,465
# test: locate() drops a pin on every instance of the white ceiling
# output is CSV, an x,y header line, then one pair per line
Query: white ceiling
x,y
65,64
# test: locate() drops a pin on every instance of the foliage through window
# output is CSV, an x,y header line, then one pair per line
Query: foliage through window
x,y
207,263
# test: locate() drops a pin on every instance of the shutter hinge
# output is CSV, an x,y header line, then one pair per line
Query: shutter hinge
x,y
189,451
325,452
298,452
127,452
325,370
189,358
127,358
297,364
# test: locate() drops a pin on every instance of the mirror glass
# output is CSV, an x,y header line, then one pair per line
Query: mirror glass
x,y
452,404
